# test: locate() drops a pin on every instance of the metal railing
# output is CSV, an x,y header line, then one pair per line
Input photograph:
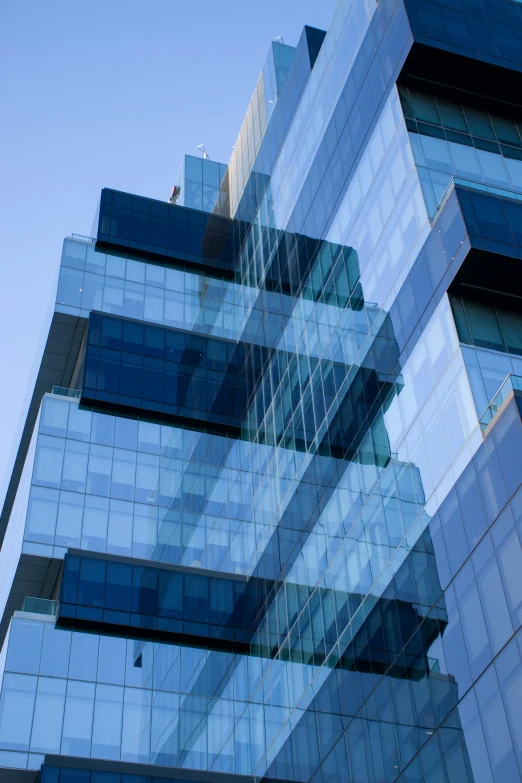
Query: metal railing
x,y
40,606
512,382
64,391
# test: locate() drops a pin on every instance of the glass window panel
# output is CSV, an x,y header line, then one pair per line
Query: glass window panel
x,y
145,531
115,266
49,460
484,326
74,253
175,280
99,470
118,586
452,115
509,672
83,662
174,304
461,321
135,271
70,285
424,107
147,479
126,433
109,370
496,730
193,168
514,168
492,596
506,130
134,300
170,441
494,368
113,294
119,538
123,474
136,725
70,518
155,275
193,195
154,342
145,590
91,585
50,774
95,521
509,557
78,715
103,429
211,173
74,474
133,337
92,291
41,515
478,388
494,168
107,724
115,777
513,212
56,650
48,715
111,660
154,304
473,732
210,196
149,437
465,161
131,376
95,261
472,619
25,645
79,424
440,181
479,123
53,420
16,710
511,326
163,741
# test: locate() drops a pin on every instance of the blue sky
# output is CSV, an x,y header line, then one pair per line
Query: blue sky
x,y
110,93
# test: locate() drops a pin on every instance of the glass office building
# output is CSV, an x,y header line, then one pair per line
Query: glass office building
x,y
265,519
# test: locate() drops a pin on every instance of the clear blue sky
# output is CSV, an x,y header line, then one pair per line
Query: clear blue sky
x,y
98,93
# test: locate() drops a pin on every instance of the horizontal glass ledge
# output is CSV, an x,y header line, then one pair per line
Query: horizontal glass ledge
x,y
472,184
511,384
40,606
84,238
64,391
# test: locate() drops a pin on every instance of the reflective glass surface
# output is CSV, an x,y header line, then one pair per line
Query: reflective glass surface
x,y
164,229
200,181
329,589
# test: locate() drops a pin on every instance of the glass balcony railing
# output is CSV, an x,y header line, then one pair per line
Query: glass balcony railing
x,y
40,606
63,391
494,190
84,238
512,382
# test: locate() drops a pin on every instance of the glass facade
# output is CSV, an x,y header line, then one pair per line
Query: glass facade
x,y
200,180
272,527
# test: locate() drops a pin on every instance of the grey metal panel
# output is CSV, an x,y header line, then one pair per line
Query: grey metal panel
x,y
58,361
18,775
35,577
